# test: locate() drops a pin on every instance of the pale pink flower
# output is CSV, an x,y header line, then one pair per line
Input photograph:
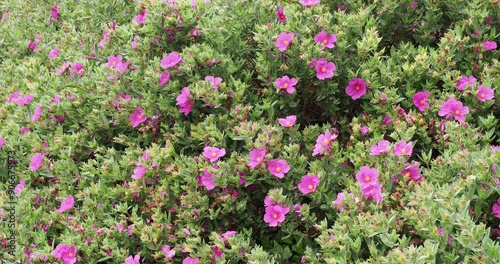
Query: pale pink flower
x,y
214,81
402,148
464,82
24,100
66,204
53,53
133,260
288,121
364,129
484,93
284,40
325,39
184,101
189,260
19,187
338,201
213,153
113,61
207,180
139,172
169,253
256,156
309,3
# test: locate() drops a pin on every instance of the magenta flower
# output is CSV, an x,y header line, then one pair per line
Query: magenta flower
x,y
24,100
213,153
413,4
420,100
288,121
36,162
139,172
309,3
207,180
323,143
137,117
184,101
380,148
489,45
37,113
280,15
122,66
283,40
308,184
63,68
164,78
412,172
66,253
324,69
78,69
256,156
1,142
189,260
326,40
278,168
141,17
403,149
484,93
113,61
66,204
133,260
275,214
13,96
373,192
364,129
453,108
367,176
496,209
214,81
171,60
19,187
356,88
464,82
53,53
54,12
286,83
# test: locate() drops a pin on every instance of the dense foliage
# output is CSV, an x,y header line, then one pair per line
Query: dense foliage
x,y
250,131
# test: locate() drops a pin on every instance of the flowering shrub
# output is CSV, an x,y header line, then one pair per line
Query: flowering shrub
x,y
250,131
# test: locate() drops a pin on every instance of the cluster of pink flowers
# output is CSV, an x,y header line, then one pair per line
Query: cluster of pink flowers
x,y
453,108
368,177
277,167
323,143
401,148
77,68
275,213
20,100
66,253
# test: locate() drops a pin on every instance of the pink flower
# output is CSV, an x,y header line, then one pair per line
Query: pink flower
x,y
280,15
171,60
364,129
373,192
113,61
53,53
324,69
24,130
169,253
308,184
453,108
139,172
1,142
403,149
133,260
412,172
309,3
63,68
37,113
19,187
283,40
66,204
66,253
141,17
413,4
184,101
13,96
356,88
484,93
288,121
213,153
214,81
36,161
54,12
256,156
275,214
24,100
78,69
207,180
286,83
464,82
367,176
217,251
496,209
489,45
189,260
122,66
326,40
338,201
278,168
137,117
323,143
164,78
420,100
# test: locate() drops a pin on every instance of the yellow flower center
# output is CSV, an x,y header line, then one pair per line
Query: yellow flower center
x,y
325,41
482,95
323,69
139,116
282,16
367,178
80,71
408,174
278,169
325,140
214,154
357,87
114,63
71,254
285,85
286,42
422,102
287,123
258,159
457,112
310,187
275,216
403,151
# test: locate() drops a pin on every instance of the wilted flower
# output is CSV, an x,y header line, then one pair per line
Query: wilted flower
x,y
280,15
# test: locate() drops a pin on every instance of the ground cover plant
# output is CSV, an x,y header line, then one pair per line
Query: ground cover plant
x,y
211,131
